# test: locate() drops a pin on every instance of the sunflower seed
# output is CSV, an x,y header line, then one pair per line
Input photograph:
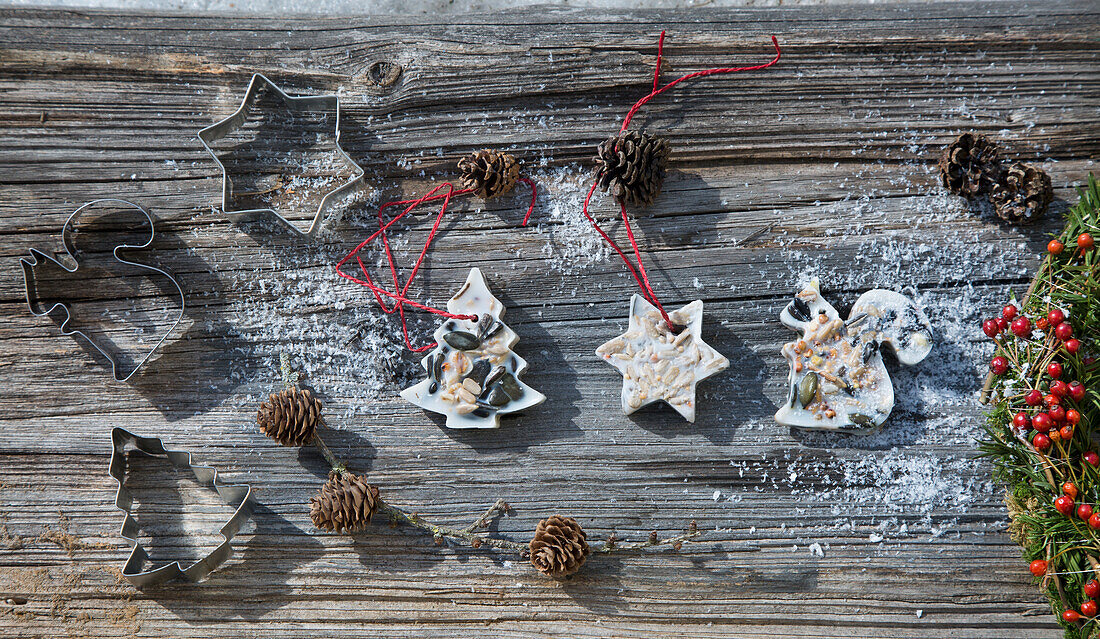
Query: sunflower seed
x,y
473,387
799,309
466,395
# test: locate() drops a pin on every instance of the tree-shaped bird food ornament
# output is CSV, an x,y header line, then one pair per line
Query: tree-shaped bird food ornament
x,y
662,355
838,381
473,375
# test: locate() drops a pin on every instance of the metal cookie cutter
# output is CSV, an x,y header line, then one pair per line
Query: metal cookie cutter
x,y
230,493
38,257
325,103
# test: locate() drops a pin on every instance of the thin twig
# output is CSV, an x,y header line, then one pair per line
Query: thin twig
x,y
483,521
400,516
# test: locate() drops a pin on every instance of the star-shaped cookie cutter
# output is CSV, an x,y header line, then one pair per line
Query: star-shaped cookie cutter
x,y
230,493
38,257
310,103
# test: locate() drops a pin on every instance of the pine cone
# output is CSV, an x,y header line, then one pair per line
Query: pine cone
x,y
489,173
290,417
631,165
1022,195
559,547
970,165
345,504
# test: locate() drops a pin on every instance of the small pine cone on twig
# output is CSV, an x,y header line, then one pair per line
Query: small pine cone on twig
x,y
489,173
1022,195
970,165
345,504
559,547
631,165
290,417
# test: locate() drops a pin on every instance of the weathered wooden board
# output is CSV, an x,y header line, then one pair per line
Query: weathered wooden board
x,y
823,164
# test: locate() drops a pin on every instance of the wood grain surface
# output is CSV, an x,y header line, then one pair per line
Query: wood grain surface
x,y
823,164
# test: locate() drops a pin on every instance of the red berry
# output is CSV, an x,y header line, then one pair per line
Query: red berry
x,y
1092,458
1002,323
1066,433
1041,422
1092,588
1051,400
1063,331
1054,370
989,327
1071,616
1058,388
1072,345
1076,391
1073,417
1064,505
1084,511
1057,413
1021,421
1070,489
999,365
1085,243
1033,398
1038,567
1041,441
1041,324
1055,317
1054,247
1089,608
1008,312
1021,327
1094,521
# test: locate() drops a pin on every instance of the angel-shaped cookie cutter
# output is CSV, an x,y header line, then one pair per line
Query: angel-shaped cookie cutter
x,y
304,104
38,257
240,494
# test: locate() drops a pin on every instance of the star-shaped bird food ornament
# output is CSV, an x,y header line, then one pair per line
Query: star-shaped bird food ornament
x,y
473,375
658,364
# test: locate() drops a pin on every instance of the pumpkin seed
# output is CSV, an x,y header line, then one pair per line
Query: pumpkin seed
x,y
511,386
497,396
807,389
478,372
462,340
861,420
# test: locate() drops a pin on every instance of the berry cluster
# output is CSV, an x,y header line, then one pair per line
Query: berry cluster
x,y
1088,608
1042,434
1045,413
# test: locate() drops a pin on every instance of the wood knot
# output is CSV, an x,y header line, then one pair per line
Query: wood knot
x,y
384,74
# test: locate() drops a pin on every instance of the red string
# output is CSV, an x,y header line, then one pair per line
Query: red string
x,y
399,293
638,269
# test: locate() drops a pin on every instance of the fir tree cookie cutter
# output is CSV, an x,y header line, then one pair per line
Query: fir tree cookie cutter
x,y
240,494
38,258
302,104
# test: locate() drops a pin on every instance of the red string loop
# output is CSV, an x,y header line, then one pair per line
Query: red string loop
x,y
399,294
637,269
